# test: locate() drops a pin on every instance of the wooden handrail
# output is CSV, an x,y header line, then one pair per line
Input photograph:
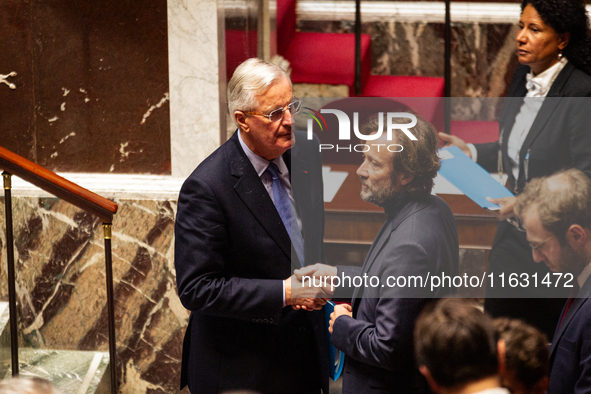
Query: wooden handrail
x,y
58,186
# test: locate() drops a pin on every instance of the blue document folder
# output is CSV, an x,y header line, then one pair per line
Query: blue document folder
x,y
336,358
472,180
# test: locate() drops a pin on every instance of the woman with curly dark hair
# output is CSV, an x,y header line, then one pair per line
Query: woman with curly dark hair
x,y
567,18
547,131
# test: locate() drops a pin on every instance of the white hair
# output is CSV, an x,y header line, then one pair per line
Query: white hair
x,y
253,77
27,386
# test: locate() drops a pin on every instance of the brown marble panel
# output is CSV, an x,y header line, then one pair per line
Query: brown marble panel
x,y
95,98
17,132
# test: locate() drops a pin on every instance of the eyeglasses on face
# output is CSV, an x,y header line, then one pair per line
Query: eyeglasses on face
x,y
276,115
538,246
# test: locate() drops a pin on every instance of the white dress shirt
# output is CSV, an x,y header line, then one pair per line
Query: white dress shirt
x,y
496,390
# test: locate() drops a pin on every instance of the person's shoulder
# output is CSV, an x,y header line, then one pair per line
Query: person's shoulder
x,y
579,84
215,165
439,202
520,73
433,202
429,209
305,142
437,213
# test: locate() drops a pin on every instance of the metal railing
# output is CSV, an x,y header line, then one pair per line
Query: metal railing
x,y
13,164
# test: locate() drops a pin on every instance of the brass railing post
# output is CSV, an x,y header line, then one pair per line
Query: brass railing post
x,y
110,308
11,273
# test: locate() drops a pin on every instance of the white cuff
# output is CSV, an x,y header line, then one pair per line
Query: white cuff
x,y
473,151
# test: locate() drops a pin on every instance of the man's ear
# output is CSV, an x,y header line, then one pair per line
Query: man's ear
x,y
576,236
405,179
241,120
432,383
501,351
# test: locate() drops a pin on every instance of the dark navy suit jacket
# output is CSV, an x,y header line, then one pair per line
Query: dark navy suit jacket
x,y
570,355
419,238
232,253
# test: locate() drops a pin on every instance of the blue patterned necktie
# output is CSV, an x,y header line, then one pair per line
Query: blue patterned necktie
x,y
283,204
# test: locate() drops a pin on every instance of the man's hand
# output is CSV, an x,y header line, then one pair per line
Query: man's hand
x,y
452,140
339,310
316,270
298,297
507,204
318,276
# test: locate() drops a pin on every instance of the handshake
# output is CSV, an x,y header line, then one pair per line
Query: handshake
x,y
309,288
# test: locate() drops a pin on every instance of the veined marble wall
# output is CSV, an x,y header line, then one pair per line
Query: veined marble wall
x,y
61,285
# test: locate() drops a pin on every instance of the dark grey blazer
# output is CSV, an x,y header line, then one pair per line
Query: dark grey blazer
x,y
419,238
570,355
231,254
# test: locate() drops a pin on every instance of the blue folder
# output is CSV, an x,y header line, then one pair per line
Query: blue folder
x,y
472,180
336,358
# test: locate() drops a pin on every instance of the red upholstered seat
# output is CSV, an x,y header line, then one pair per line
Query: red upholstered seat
x,y
327,58
422,94
395,86
475,132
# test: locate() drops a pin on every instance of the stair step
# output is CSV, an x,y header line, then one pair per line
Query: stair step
x,y
72,371
4,339
327,58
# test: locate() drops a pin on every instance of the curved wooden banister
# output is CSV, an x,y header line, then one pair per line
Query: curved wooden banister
x,y
58,186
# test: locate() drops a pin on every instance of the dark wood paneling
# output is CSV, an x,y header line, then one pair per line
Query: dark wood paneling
x,y
352,223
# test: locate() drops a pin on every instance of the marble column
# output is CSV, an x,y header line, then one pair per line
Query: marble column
x,y
197,81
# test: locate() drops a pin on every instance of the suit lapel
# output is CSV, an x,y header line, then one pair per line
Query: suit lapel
x,y
511,108
376,246
383,237
252,192
582,297
300,182
548,108
556,90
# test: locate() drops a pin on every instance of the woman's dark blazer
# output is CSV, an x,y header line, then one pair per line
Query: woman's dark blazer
x,y
560,136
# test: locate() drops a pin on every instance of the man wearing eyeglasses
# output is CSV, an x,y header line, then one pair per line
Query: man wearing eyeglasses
x,y
241,230
556,212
